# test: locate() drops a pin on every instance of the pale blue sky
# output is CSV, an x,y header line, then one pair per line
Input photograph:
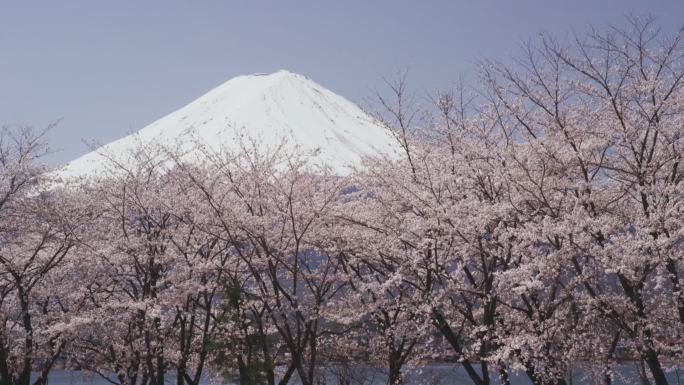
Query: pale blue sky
x,y
109,67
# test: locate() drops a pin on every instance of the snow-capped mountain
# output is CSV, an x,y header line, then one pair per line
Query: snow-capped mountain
x,y
265,108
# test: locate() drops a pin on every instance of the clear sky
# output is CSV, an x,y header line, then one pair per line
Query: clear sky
x,y
107,68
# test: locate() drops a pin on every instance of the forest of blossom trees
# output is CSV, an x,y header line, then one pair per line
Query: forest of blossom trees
x,y
532,224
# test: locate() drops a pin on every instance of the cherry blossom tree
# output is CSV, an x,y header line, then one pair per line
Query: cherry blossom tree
x,y
39,230
274,209
155,277
598,137
380,322
528,221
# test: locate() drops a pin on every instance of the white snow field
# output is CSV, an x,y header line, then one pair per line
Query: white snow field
x,y
263,109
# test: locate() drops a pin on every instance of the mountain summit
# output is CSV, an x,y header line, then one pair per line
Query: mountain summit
x,y
264,108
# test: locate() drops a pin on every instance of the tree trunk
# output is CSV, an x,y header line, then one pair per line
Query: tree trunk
x,y
394,376
651,358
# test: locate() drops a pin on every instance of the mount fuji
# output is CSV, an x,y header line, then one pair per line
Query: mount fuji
x,y
266,108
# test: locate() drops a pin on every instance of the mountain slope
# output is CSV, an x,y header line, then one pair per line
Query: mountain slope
x,y
265,108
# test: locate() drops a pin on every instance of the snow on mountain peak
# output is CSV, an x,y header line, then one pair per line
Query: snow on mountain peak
x,y
266,108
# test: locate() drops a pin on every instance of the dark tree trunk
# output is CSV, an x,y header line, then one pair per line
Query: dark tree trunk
x,y
651,359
